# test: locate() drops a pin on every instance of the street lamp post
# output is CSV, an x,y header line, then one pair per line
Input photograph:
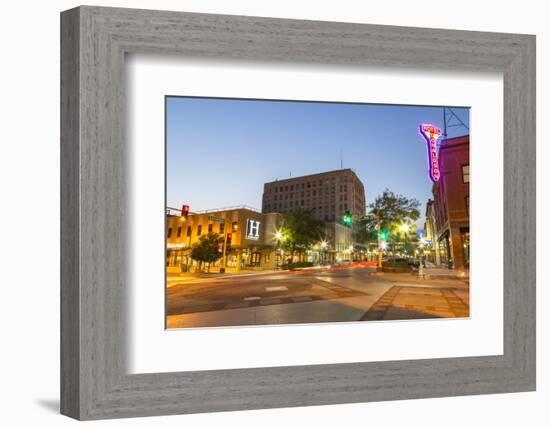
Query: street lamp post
x,y
278,238
324,248
379,241
404,228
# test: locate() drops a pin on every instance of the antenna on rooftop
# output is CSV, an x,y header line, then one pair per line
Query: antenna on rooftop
x,y
450,119
341,158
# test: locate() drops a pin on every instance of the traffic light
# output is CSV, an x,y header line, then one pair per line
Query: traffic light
x,y
384,235
347,219
228,242
185,211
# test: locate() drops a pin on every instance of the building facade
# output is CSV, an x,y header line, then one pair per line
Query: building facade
x,y
252,234
431,252
451,204
328,195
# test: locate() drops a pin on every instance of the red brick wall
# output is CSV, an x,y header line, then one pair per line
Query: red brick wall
x,y
451,193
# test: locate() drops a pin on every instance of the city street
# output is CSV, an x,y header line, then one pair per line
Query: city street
x,y
354,292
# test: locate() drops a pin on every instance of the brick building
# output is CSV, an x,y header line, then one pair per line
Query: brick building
x,y
329,195
253,244
451,204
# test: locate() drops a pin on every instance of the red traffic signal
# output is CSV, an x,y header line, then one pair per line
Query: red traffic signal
x,y
228,241
185,211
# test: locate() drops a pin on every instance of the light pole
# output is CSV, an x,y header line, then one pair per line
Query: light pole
x,y
278,238
404,228
379,240
324,248
421,264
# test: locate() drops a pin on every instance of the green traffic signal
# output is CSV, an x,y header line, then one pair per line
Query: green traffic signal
x,y
384,234
347,219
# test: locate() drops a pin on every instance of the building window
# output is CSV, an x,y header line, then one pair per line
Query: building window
x,y
179,231
210,227
189,231
222,227
169,232
234,226
199,230
465,174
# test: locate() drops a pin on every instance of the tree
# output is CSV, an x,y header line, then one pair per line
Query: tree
x,y
391,211
367,230
207,249
302,230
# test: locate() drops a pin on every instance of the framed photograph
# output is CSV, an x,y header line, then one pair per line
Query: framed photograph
x,y
345,212
315,251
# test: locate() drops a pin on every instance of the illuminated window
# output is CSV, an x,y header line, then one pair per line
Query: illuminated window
x,y
466,174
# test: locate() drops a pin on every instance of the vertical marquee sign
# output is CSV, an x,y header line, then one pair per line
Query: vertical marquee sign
x,y
432,134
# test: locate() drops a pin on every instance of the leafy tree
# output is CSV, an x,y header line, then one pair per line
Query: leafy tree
x,y
367,229
405,242
391,210
207,249
302,230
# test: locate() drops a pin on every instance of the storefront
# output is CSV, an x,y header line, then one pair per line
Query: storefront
x,y
444,249
248,237
465,240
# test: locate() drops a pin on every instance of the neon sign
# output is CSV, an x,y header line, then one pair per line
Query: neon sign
x,y
431,134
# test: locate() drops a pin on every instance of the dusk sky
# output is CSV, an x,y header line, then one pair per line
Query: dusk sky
x,y
220,152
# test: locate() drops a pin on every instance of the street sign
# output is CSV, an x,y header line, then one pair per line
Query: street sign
x,y
216,219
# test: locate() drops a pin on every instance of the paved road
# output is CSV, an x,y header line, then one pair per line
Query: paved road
x,y
346,294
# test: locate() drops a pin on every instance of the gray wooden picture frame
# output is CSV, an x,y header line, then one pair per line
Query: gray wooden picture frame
x,y
94,381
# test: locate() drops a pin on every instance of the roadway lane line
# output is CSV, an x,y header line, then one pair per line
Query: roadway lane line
x,y
276,288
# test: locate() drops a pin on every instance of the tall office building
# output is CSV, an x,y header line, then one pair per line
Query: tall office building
x,y
329,195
